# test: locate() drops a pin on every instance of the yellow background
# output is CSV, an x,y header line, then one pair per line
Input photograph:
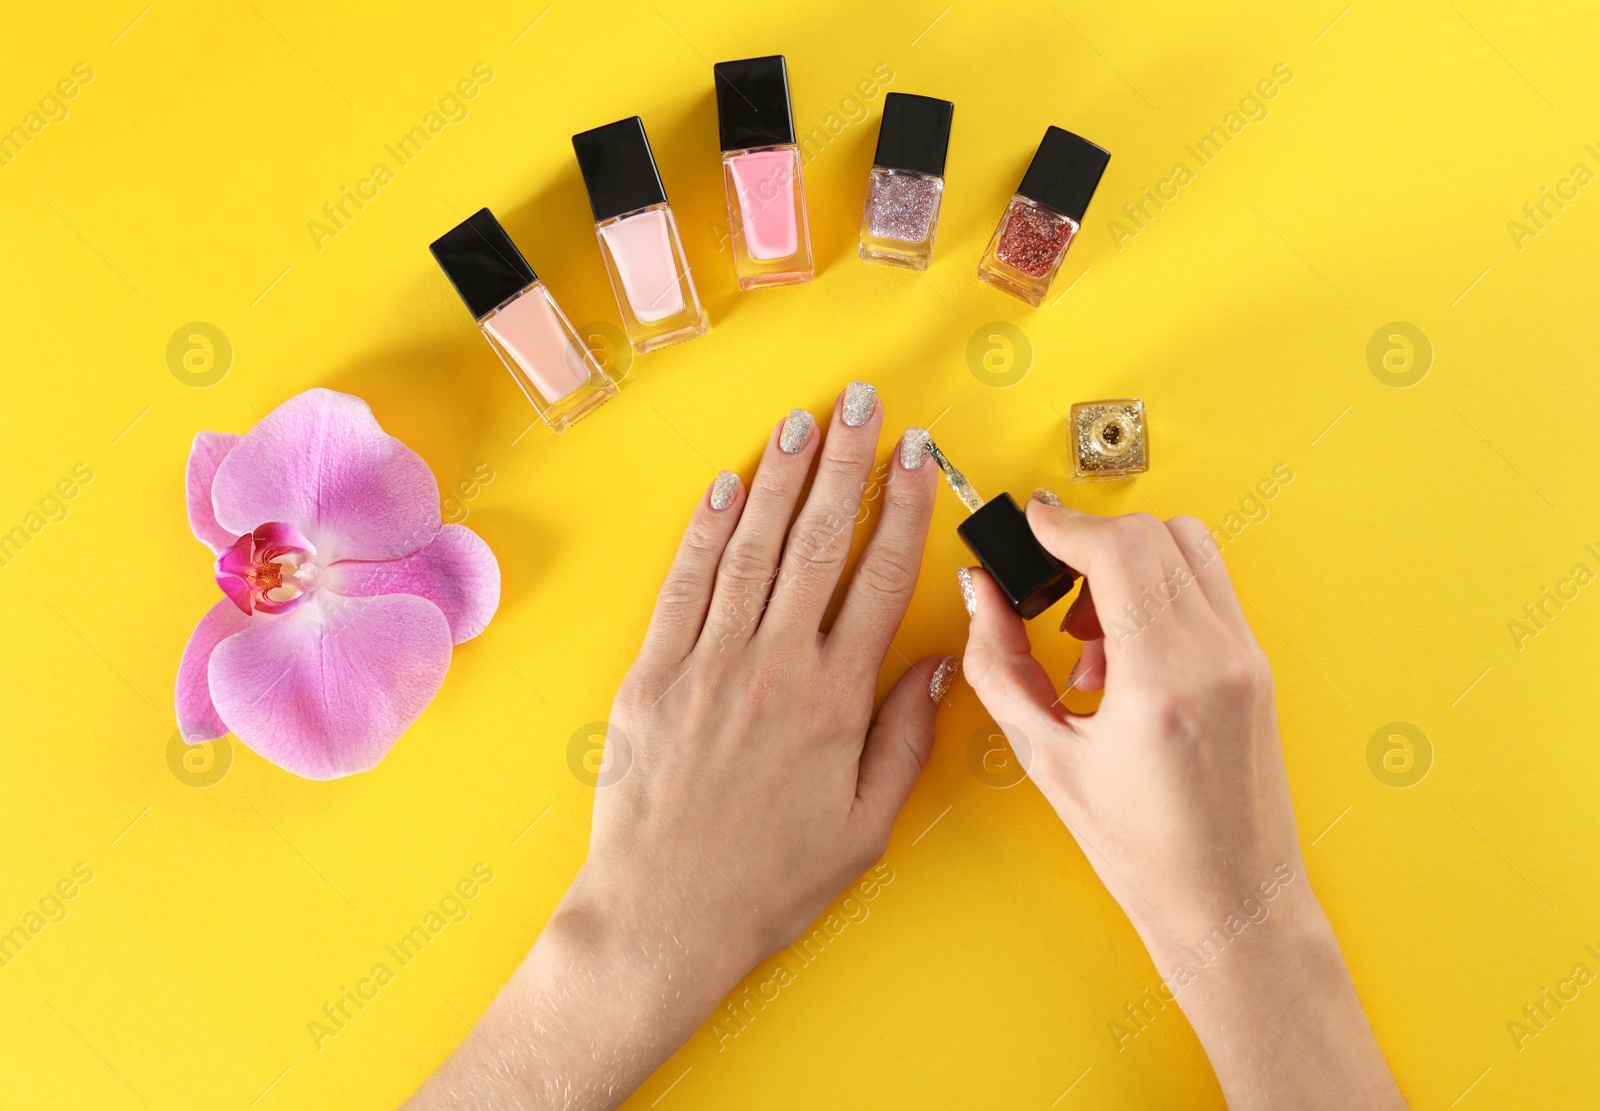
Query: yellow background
x,y
1381,580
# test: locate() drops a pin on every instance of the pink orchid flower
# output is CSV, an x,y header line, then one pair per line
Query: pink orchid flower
x,y
343,591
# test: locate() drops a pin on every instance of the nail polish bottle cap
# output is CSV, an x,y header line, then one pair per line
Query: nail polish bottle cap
x,y
1064,172
1032,579
618,169
915,133
753,103
482,263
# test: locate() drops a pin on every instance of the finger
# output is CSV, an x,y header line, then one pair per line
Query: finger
x,y
1089,673
1132,562
680,611
899,743
1081,621
1205,557
886,574
1012,685
745,575
819,542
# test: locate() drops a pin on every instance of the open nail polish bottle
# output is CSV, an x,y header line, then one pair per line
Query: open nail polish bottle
x,y
761,169
638,236
907,181
997,532
1043,217
1109,439
521,321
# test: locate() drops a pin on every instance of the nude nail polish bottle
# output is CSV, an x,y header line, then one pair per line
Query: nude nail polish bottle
x,y
521,321
1043,217
905,187
761,170
638,236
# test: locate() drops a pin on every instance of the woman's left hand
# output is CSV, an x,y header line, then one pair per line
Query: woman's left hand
x,y
747,777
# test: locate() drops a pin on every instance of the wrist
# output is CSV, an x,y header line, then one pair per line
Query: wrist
x,y
1254,942
629,926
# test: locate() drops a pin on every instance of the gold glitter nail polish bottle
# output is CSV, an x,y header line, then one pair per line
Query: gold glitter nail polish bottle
x,y
901,215
1043,217
1108,439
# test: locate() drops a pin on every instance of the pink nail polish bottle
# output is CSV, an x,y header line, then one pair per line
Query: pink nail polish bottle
x,y
761,169
1043,217
638,236
521,321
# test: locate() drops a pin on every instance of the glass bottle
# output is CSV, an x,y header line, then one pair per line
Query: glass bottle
x,y
521,321
638,236
1043,217
761,166
906,185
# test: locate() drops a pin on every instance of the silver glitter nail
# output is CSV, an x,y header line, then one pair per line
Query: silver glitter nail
x,y
797,428
913,448
860,399
1048,497
944,677
969,593
723,489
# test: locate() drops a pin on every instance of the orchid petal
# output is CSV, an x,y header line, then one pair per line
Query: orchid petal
x,y
321,463
277,535
205,455
325,691
457,572
197,717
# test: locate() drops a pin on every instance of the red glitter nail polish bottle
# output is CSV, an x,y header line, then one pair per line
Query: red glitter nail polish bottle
x,y
1042,219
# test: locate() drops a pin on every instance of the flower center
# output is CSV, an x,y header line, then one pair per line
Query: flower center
x,y
268,569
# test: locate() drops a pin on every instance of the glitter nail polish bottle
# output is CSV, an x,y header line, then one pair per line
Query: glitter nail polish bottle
x,y
901,216
1041,220
998,533
638,236
522,321
761,170
1109,439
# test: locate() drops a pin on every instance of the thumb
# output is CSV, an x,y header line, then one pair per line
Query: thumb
x,y
901,739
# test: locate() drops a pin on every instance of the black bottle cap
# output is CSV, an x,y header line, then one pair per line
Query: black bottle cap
x,y
753,103
1032,579
1064,172
915,133
481,262
618,169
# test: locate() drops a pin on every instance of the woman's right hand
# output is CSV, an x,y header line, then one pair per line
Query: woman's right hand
x,y
1175,788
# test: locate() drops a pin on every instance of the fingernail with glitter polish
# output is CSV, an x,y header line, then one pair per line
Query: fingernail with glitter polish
x,y
913,448
1072,676
907,181
1043,217
944,677
1048,497
723,489
969,595
797,428
860,399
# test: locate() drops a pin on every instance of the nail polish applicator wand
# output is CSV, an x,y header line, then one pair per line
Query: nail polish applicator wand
x,y
997,532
